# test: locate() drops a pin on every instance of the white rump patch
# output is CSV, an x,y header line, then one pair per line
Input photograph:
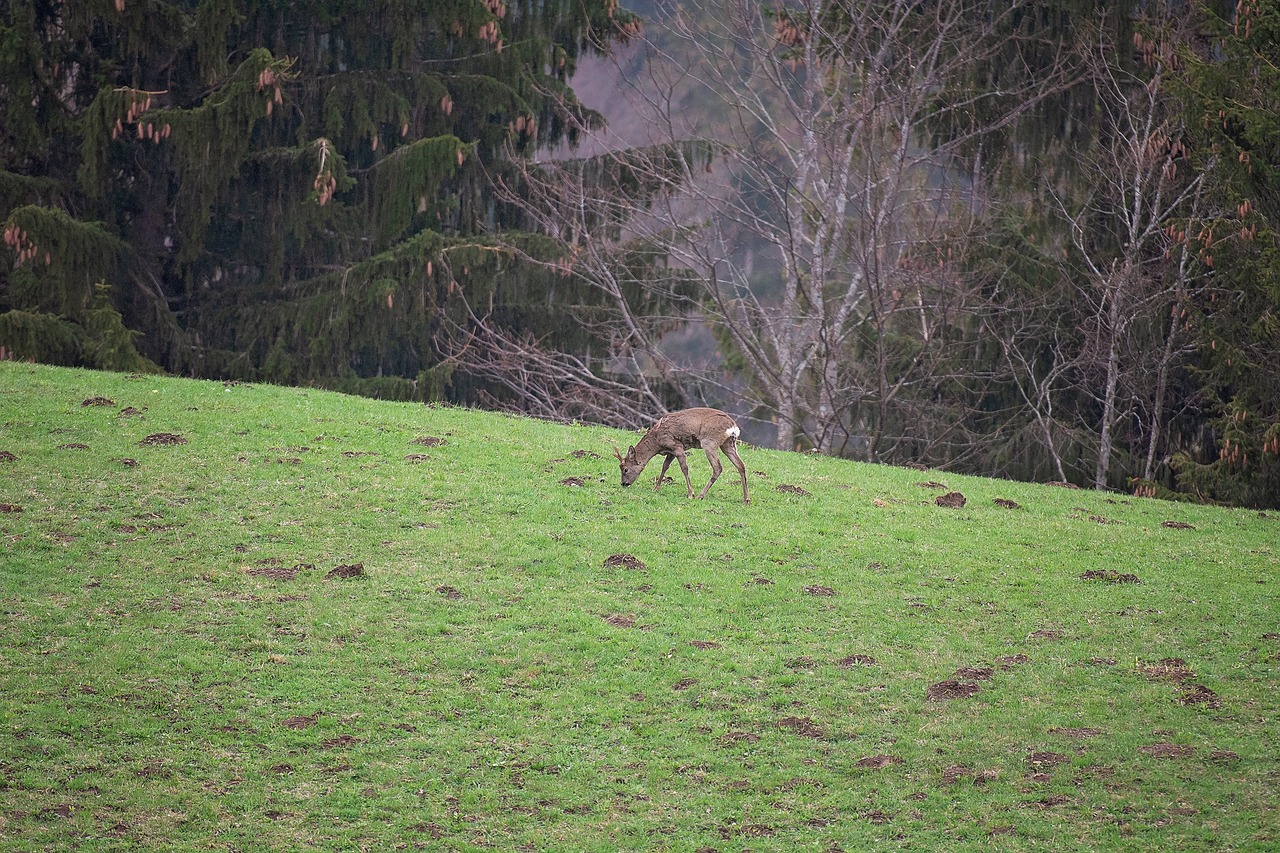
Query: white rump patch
x,y
732,432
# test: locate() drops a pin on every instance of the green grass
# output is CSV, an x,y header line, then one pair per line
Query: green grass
x,y
178,671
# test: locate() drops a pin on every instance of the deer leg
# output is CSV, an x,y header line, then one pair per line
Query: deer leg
x,y
712,457
731,450
666,463
684,466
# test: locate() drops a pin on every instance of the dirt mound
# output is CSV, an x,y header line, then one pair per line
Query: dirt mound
x,y
626,561
1005,503
793,490
856,660
1109,576
1167,669
354,570
1198,694
878,762
157,439
98,401
802,726
955,500
1167,750
951,689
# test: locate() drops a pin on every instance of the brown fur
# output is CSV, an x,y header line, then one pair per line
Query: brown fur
x,y
710,429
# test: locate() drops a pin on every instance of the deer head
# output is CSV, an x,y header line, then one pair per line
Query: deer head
x,y
630,466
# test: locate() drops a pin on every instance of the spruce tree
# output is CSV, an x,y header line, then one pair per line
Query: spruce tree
x,y
288,192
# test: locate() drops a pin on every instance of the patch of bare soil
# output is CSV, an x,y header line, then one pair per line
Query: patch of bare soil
x,y
955,500
1167,750
1045,760
876,817
275,573
819,590
1051,801
6,456
1010,661
932,484
704,644
1167,669
730,738
626,561
684,684
448,592
416,458
802,726
1005,503
129,412
74,445
339,742
281,769
10,508
352,570
792,490
1224,756
1045,634
127,462
1075,733
1198,694
98,401
1060,484
1109,576
878,762
621,620
300,722
584,454
804,662
1177,525
1004,829
158,439
352,454
1097,771
573,481
974,673
759,581
951,689
429,441
856,660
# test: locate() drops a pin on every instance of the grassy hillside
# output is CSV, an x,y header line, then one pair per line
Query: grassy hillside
x,y
245,618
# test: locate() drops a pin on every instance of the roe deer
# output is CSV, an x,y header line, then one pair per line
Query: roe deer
x,y
710,429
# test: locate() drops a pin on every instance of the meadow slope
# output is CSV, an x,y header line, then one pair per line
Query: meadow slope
x,y
242,617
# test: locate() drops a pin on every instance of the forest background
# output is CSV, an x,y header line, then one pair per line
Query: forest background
x,y
1023,239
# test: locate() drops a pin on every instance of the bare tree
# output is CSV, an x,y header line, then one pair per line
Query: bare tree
x,y
1136,261
812,175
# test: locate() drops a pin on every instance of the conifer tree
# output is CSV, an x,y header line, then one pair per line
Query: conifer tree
x,y
288,192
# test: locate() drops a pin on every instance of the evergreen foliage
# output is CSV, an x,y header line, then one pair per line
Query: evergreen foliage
x,y
285,192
